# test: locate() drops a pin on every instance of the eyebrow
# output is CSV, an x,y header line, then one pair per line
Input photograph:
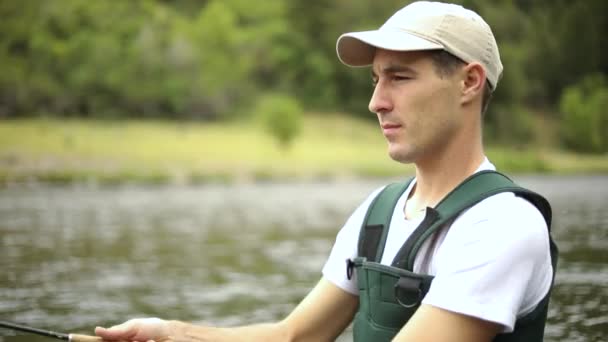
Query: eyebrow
x,y
392,69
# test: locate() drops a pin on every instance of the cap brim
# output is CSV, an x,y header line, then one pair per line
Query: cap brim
x,y
359,48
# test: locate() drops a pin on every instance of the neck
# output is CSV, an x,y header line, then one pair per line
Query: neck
x,y
446,167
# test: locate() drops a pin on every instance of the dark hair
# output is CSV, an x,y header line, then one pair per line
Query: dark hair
x,y
446,64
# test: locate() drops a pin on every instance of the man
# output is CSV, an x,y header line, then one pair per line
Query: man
x,y
484,273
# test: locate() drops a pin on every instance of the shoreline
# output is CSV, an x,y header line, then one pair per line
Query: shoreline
x,y
331,147
76,177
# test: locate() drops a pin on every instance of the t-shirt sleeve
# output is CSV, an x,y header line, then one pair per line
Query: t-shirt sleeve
x,y
494,263
345,247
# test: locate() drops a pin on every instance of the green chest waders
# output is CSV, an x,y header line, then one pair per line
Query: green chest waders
x,y
390,295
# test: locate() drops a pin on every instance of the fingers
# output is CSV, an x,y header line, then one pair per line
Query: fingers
x,y
109,334
140,329
118,332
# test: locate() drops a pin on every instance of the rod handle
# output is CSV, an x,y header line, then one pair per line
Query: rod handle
x,y
84,338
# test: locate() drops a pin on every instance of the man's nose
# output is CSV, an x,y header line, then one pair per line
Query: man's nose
x,y
380,101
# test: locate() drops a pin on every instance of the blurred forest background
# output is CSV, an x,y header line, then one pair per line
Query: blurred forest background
x,y
220,61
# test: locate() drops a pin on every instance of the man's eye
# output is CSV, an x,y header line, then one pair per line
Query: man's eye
x,y
401,78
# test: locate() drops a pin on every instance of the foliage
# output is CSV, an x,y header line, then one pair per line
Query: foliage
x,y
191,59
133,58
564,45
510,125
584,124
281,116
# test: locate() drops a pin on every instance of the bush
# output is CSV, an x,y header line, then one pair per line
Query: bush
x,y
281,116
508,124
584,109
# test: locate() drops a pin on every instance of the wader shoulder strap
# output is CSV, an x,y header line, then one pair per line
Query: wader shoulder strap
x,y
471,191
374,228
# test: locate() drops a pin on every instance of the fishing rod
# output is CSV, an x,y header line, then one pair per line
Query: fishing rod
x,y
49,333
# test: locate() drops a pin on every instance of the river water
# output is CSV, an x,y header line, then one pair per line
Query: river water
x,y
79,256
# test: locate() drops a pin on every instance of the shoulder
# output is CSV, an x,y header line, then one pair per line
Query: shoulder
x,y
358,215
506,222
495,260
506,210
345,247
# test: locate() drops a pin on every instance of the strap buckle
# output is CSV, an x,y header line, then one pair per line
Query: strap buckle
x,y
408,284
350,266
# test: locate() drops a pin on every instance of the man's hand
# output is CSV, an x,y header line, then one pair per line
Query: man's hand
x,y
139,329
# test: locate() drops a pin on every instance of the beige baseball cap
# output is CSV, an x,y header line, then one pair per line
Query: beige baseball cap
x,y
427,25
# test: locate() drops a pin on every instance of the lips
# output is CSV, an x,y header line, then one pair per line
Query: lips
x,y
390,128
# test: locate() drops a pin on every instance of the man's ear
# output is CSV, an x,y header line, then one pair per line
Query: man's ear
x,y
473,82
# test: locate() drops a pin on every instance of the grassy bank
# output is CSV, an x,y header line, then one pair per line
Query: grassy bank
x,y
330,146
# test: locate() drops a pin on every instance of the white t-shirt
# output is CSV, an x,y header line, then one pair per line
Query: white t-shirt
x,y
492,263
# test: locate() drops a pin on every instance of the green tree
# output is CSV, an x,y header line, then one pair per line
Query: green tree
x,y
281,116
564,44
584,124
210,59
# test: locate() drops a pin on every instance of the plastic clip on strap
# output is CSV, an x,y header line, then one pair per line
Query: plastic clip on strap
x,y
350,266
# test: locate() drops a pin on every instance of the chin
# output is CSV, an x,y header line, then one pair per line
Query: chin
x,y
401,155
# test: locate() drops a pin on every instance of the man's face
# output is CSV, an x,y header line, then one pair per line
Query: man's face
x,y
417,109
